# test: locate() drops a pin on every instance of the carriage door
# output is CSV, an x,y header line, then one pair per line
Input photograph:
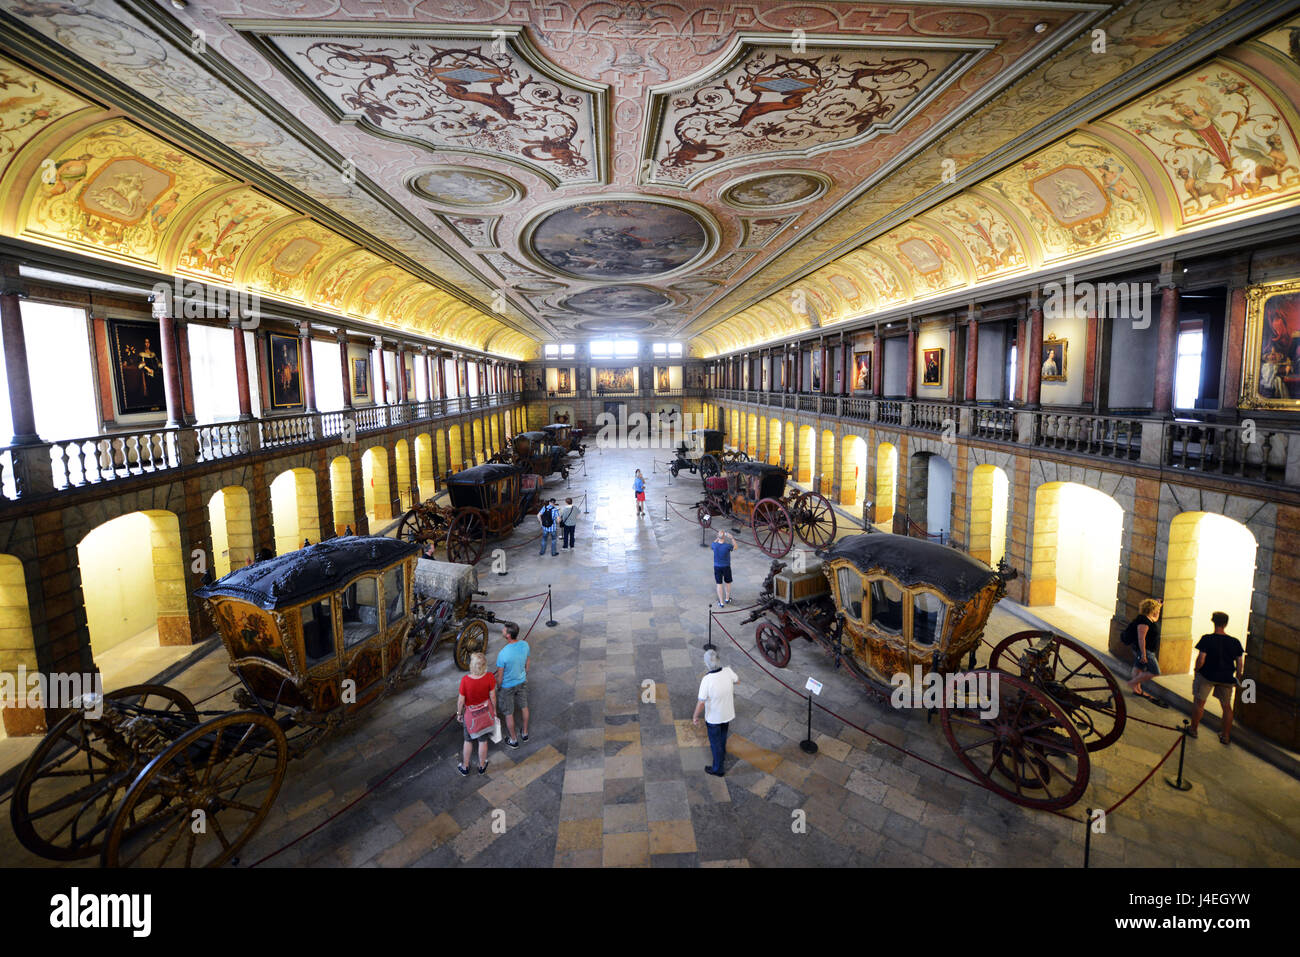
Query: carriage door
x,y
320,654
361,665
396,620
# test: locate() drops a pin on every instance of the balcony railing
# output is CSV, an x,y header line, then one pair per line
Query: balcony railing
x,y
75,463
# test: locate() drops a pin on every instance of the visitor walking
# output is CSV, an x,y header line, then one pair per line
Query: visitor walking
x,y
476,710
718,702
512,677
568,522
723,546
547,519
638,486
1218,672
1143,637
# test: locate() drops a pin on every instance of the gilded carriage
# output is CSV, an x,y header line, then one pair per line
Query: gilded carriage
x,y
483,504
566,437
757,493
314,637
904,613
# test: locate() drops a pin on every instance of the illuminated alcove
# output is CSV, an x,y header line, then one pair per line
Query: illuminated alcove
x,y
454,446
990,494
774,442
787,446
17,646
1076,546
807,452
853,471
751,435
826,467
341,501
1210,567
230,517
294,514
424,474
929,492
375,489
886,482
402,472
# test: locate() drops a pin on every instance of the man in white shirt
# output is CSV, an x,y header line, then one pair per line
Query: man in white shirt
x,y
717,701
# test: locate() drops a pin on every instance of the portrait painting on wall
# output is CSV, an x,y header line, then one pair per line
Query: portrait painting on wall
x,y
615,380
565,381
285,375
1054,350
661,379
933,367
410,378
1272,362
463,389
815,360
862,372
137,366
361,377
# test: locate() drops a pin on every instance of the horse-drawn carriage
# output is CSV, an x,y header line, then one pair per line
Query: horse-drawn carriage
x,y
568,438
702,450
902,612
756,492
484,503
313,636
536,453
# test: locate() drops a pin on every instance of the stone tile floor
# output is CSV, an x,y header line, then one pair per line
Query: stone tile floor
x,y
613,774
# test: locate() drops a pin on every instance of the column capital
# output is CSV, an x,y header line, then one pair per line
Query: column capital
x,y
341,335
161,302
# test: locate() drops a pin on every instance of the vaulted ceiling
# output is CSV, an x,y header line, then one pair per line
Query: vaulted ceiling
x,y
502,173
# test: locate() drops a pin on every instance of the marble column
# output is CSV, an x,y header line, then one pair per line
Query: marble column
x,y
170,362
345,362
308,368
1033,357
972,356
381,386
1166,351
16,370
241,371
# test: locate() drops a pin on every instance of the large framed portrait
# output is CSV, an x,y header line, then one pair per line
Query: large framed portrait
x,y
137,366
815,379
661,379
615,380
1271,377
463,388
932,368
409,362
862,372
285,357
566,383
360,377
1054,351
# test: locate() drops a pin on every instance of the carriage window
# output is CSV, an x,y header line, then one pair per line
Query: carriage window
x,y
394,595
360,611
886,605
927,618
318,631
851,593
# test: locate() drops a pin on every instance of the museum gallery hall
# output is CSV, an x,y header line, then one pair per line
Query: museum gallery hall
x,y
382,381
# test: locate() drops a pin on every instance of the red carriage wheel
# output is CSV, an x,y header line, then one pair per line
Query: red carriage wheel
x,y
703,516
814,520
1070,675
773,531
772,645
1028,751
467,536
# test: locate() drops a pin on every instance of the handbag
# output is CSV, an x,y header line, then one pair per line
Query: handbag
x,y
495,736
478,718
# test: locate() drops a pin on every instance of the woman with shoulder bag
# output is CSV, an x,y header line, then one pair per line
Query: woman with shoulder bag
x,y
476,709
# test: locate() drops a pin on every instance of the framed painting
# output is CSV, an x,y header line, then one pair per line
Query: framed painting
x,y
932,369
565,381
661,379
1271,377
409,362
815,360
1054,351
361,377
137,366
614,380
285,357
862,372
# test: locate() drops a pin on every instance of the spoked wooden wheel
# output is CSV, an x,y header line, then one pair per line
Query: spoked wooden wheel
x,y
418,526
772,644
211,790
1029,752
499,522
773,531
709,466
467,536
431,617
814,519
1070,675
472,637
70,786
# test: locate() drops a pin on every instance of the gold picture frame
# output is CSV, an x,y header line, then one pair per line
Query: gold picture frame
x,y
1054,355
1270,377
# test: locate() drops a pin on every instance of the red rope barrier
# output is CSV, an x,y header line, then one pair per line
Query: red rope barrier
x,y
506,601
1144,780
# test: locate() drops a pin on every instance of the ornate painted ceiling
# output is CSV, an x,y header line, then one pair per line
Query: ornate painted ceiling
x,y
495,173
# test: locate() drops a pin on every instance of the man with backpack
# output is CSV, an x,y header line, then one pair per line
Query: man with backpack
x,y
547,519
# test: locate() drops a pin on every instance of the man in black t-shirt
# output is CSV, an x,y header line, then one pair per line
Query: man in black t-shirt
x,y
1218,672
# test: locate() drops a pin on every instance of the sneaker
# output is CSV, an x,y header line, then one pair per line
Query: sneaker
x,y
727,602
721,605
523,737
512,742
716,774
482,768
464,771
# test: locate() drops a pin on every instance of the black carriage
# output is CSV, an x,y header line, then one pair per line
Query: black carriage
x,y
756,492
566,437
484,503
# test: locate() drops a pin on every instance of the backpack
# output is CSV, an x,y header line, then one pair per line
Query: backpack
x,y
548,517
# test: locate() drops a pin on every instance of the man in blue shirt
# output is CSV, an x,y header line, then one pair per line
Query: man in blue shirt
x,y
548,519
512,680
722,548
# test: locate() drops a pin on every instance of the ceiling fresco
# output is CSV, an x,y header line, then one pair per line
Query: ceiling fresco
x,y
490,172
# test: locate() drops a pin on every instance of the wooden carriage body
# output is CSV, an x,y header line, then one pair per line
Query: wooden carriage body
x,y
565,437
748,483
536,452
321,629
488,487
701,442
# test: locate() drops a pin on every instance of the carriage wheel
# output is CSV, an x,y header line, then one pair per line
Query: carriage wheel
x,y
69,787
416,526
229,768
472,637
772,644
1072,676
814,519
742,456
772,529
673,469
431,617
1029,752
709,466
499,522
467,536
564,472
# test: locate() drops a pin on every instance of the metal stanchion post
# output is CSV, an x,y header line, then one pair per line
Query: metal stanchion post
x,y
809,746
709,645
1087,837
665,508
1180,784
550,609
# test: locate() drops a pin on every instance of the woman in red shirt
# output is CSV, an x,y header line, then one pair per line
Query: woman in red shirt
x,y
475,688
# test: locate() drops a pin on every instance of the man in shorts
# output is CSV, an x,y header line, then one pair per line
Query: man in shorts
x,y
1218,673
512,679
722,548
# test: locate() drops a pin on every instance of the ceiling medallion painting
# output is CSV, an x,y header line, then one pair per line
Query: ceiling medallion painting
x,y
618,301
614,325
775,190
619,239
461,186
443,88
769,101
